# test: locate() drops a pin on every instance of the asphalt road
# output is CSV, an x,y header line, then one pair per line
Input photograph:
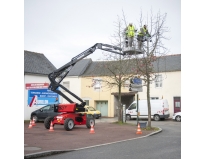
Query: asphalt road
x,y
164,145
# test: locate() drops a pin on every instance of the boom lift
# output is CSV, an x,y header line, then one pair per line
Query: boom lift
x,y
71,114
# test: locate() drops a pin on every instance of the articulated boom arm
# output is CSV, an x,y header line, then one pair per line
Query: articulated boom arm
x,y
58,75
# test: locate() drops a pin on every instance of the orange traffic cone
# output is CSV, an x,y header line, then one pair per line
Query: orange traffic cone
x,y
30,125
138,129
92,129
33,122
51,127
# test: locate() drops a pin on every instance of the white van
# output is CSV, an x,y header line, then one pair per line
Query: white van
x,y
159,109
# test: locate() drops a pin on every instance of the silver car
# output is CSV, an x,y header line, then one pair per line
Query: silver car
x,y
177,116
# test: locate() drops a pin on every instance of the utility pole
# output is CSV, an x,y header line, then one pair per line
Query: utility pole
x,y
137,106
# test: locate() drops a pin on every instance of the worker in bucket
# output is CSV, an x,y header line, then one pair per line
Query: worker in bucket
x,y
130,34
142,36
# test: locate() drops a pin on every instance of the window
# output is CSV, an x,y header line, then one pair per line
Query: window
x,y
158,81
133,106
46,108
126,83
152,98
87,102
177,104
66,84
96,84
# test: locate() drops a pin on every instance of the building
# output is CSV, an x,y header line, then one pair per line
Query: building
x,y
167,85
36,93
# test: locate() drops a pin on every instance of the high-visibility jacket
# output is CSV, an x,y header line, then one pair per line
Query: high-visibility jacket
x,y
131,31
141,33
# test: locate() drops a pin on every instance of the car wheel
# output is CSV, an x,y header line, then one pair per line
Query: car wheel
x,y
47,122
35,118
68,124
178,118
90,121
128,117
156,118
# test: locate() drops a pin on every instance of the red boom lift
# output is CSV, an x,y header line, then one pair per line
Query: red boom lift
x,y
70,113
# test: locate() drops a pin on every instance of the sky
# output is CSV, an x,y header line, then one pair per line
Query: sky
x,y
63,29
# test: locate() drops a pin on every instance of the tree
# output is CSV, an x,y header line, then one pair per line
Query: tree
x,y
116,67
152,51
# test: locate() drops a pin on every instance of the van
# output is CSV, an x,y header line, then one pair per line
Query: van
x,y
90,110
159,109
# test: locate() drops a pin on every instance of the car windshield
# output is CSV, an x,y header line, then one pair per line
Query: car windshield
x,y
91,109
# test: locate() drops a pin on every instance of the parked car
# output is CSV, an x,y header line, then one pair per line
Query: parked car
x,y
90,110
44,112
177,116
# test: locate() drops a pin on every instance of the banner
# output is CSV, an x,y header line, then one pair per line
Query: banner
x,y
42,97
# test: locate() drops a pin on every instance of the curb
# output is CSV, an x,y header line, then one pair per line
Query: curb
x,y
43,154
53,152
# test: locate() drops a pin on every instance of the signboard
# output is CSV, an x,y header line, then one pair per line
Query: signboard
x,y
36,85
135,84
137,81
41,97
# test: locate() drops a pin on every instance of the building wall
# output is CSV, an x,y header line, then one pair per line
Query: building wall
x,y
171,88
75,87
32,79
103,94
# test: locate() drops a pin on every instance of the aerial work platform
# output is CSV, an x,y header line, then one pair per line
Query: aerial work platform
x,y
131,50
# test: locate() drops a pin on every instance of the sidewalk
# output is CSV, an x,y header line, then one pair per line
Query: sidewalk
x,y
39,141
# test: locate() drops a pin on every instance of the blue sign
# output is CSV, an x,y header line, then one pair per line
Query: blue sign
x,y
137,81
41,97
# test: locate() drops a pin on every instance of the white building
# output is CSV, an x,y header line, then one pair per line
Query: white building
x,y
36,82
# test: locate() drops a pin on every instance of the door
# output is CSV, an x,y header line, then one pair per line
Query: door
x,y
102,106
50,112
132,110
43,112
177,104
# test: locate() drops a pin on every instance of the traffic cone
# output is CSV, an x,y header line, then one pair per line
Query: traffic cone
x,y
92,129
30,125
33,122
51,127
138,129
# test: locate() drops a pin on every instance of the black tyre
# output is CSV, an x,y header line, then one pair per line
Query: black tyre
x,y
35,118
178,118
68,124
128,117
47,122
156,117
90,121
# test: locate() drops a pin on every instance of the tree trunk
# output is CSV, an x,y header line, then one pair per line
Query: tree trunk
x,y
119,104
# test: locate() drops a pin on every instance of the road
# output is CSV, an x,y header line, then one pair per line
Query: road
x,y
164,145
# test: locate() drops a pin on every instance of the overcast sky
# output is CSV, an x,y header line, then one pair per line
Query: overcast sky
x,y
62,29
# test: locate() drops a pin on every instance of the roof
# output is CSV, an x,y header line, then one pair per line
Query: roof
x,y
168,63
37,63
80,67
